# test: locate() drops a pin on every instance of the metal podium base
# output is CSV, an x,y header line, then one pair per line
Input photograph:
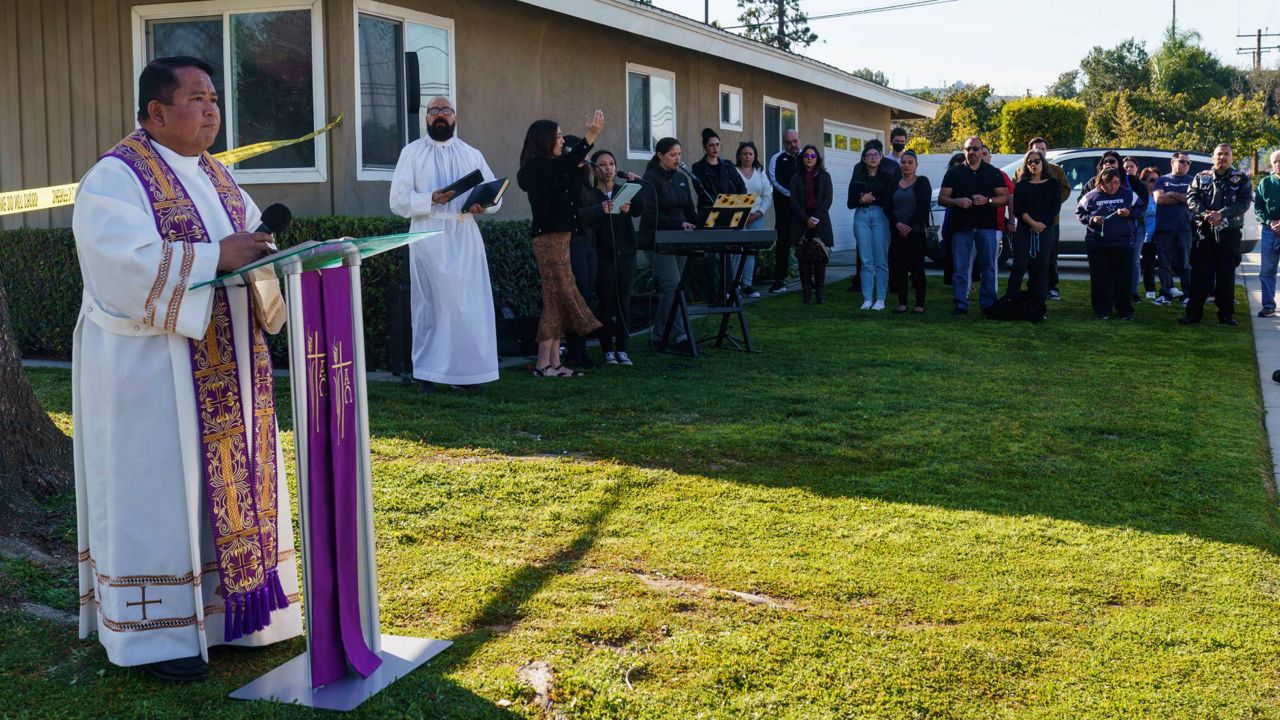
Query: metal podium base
x,y
291,682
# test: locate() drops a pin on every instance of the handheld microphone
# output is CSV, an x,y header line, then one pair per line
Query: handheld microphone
x,y
275,219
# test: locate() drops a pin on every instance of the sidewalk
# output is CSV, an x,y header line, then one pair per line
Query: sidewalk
x,y
1266,342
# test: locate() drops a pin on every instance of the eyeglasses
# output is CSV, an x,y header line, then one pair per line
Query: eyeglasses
x,y
976,148
1109,161
445,111
810,156
1181,161
1033,162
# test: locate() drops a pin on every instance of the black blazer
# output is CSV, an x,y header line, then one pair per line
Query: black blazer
x,y
553,187
919,218
800,216
721,178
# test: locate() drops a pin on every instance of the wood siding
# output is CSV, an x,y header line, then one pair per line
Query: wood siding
x,y
66,69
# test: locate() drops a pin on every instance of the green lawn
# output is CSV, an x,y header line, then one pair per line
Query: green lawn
x,y
943,518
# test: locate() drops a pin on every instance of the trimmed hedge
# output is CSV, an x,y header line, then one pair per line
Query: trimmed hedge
x,y
1060,122
42,276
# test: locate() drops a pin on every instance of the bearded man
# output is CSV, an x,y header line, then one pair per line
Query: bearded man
x,y
454,336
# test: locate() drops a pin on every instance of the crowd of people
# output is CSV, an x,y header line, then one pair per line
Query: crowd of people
x,y
1175,236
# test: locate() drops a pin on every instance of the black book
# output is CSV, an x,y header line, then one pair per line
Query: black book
x,y
463,184
486,194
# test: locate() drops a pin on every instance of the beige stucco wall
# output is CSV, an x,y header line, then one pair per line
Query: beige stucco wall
x,y
69,64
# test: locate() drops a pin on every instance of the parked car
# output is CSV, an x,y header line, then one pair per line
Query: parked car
x,y
1080,164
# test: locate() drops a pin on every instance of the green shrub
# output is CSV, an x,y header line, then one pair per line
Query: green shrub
x,y
42,278
1060,122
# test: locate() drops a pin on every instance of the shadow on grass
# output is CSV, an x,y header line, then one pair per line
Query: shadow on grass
x,y
1144,425
46,668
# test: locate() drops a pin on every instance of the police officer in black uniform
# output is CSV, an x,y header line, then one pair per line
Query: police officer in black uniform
x,y
1218,199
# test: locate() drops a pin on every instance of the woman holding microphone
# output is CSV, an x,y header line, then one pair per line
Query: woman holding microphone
x,y
547,174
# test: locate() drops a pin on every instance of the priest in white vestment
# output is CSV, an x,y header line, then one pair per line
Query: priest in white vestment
x,y
454,339
150,579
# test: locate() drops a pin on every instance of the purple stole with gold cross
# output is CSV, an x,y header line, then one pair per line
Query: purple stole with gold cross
x,y
238,463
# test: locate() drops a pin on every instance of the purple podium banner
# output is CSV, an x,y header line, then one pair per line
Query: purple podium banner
x,y
333,606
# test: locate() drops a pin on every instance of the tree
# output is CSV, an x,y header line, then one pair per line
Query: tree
x,y
1180,65
874,76
35,457
969,108
1126,66
1067,86
762,23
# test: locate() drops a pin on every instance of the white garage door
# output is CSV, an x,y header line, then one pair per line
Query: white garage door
x,y
842,147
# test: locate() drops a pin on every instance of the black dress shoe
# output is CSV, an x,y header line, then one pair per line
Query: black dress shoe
x,y
426,387
1228,321
189,669
1188,320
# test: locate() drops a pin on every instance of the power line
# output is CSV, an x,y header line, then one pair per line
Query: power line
x,y
850,13
1257,50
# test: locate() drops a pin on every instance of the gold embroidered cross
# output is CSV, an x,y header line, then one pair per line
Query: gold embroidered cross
x,y
144,602
316,379
343,390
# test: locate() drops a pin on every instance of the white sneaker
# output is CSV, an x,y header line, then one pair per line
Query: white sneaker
x,y
1175,292
622,358
866,305
610,358
879,305
1151,294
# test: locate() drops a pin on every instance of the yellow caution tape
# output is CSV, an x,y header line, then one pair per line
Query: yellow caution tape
x,y
240,154
20,201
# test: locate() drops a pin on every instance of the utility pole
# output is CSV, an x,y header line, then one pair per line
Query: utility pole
x,y
1257,49
706,12
1174,23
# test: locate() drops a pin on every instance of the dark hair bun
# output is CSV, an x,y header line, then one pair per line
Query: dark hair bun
x,y
707,134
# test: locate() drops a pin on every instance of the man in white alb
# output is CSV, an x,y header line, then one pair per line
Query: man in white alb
x,y
454,339
182,505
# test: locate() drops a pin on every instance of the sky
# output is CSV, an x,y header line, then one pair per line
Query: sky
x,y
973,40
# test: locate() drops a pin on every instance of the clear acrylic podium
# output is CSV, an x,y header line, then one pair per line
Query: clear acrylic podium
x,y
291,682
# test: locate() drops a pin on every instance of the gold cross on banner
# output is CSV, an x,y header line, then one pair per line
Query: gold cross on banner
x,y
343,391
315,376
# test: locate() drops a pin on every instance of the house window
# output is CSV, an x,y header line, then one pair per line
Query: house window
x,y
267,60
779,117
404,58
730,108
651,109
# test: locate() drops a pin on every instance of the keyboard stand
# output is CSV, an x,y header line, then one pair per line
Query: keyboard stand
x,y
731,304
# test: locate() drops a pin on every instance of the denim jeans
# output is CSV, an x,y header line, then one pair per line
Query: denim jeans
x,y
1267,275
1173,255
966,244
871,232
749,273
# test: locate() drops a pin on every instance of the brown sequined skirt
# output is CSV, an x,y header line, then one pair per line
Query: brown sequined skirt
x,y
564,312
